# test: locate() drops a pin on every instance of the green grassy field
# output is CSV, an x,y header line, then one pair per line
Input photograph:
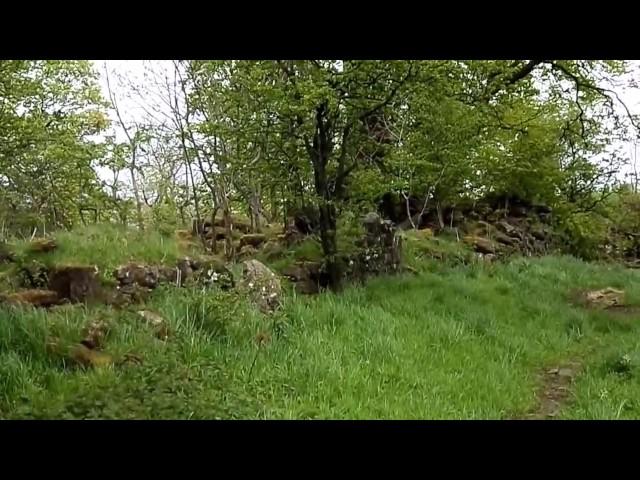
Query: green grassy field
x,y
451,342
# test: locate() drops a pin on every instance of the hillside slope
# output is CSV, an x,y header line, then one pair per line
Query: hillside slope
x,y
455,339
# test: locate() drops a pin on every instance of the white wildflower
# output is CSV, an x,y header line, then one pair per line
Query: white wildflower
x,y
273,295
250,284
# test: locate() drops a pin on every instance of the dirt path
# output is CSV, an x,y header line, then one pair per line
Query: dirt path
x,y
554,392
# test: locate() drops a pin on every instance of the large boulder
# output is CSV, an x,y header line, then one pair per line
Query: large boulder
x,y
75,283
262,285
383,246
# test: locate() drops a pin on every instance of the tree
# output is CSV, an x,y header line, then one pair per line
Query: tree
x,y
50,114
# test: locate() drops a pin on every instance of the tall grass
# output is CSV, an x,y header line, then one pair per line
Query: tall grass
x,y
455,341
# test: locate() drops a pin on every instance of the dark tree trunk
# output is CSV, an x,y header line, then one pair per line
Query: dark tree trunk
x,y
228,227
330,245
214,242
319,152
274,205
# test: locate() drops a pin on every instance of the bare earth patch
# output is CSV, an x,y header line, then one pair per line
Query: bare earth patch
x,y
607,300
554,392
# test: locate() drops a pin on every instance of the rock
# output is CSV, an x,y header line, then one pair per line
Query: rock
x,y
291,235
178,275
75,283
262,285
208,262
87,357
182,272
127,294
480,244
605,298
171,275
206,228
210,271
509,229
539,233
371,219
565,372
157,323
34,275
95,334
42,245
295,272
135,273
483,229
34,297
504,239
253,239
307,277
306,220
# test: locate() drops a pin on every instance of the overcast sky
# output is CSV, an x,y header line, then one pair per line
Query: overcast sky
x,y
134,70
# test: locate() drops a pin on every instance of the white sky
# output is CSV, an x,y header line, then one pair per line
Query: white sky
x,y
134,70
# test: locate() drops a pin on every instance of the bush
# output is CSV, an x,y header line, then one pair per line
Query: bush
x,y
584,235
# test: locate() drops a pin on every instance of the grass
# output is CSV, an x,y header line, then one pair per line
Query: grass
x,y
107,247
458,340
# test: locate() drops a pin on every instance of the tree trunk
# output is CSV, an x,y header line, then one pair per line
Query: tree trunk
x,y
228,230
255,208
136,194
214,244
330,244
228,223
274,205
440,218
320,152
